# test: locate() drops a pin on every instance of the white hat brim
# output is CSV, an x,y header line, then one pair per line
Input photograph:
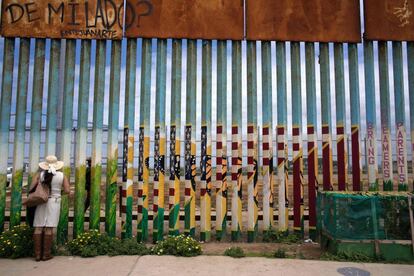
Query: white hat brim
x,y
45,165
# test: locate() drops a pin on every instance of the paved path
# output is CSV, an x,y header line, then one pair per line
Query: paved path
x,y
202,265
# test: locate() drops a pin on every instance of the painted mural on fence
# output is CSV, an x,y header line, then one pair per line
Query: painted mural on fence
x,y
87,19
213,19
395,17
304,20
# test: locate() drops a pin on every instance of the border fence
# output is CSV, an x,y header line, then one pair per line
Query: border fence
x,y
224,157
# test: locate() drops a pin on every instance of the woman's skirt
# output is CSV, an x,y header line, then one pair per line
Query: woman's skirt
x,y
47,214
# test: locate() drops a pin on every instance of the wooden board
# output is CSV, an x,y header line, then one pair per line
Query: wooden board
x,y
86,19
208,19
304,20
389,20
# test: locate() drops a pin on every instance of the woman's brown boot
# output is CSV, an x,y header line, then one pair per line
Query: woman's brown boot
x,y
47,247
37,244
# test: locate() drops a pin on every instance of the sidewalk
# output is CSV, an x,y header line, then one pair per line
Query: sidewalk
x,y
200,266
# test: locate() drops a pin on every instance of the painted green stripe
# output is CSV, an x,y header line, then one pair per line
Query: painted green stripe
x,y
96,162
52,97
19,136
113,125
6,100
81,138
67,124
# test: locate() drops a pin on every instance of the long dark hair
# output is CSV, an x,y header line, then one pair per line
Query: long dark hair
x,y
47,180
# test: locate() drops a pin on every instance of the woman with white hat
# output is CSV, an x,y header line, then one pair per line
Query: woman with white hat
x,y
47,214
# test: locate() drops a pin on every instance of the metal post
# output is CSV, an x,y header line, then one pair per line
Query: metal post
x,y
6,101
52,97
129,122
371,146
236,169
113,126
355,117
144,141
81,137
410,57
340,117
67,124
312,126
175,139
190,145
252,158
326,117
36,110
206,183
159,141
282,148
19,135
298,208
267,131
221,146
387,171
96,164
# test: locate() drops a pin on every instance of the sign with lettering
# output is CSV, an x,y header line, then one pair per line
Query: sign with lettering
x,y
86,19
208,19
304,20
389,20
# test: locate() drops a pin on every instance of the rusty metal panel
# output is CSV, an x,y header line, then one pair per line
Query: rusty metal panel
x,y
304,20
87,19
207,19
389,20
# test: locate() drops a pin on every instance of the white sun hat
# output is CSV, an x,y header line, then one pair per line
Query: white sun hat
x,y
51,164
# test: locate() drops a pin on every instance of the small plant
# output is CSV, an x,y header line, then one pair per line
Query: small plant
x,y
178,246
280,237
17,242
93,243
235,252
280,253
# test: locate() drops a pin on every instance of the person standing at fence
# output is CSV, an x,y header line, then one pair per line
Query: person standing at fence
x,y
47,214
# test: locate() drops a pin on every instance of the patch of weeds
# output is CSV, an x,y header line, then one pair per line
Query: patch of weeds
x,y
349,257
272,235
235,252
178,246
280,253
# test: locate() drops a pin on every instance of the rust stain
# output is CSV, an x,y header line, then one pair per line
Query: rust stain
x,y
207,19
389,20
304,20
86,19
